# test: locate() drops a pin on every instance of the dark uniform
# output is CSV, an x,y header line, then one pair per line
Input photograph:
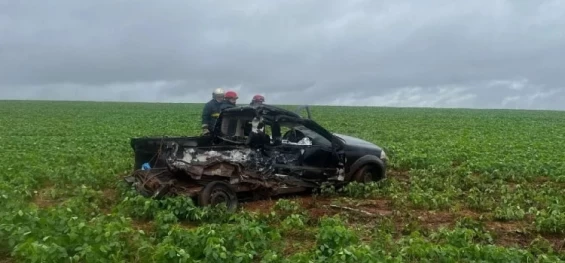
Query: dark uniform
x,y
211,113
226,104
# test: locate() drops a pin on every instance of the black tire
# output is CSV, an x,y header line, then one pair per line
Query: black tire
x,y
368,173
218,192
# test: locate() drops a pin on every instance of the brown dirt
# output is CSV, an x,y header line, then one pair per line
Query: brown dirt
x,y
292,247
265,206
261,206
541,179
317,213
437,219
381,207
5,256
42,198
318,207
110,193
110,199
510,233
188,225
505,233
519,233
298,241
401,175
469,213
558,242
146,226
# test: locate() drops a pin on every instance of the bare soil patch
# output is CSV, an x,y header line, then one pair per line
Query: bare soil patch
x,y
146,226
260,206
400,175
43,198
520,234
109,199
508,234
298,241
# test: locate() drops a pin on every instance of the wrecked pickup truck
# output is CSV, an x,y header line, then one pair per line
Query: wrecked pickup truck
x,y
253,151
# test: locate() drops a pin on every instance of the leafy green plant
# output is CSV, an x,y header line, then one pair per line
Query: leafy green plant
x,y
509,213
334,235
551,220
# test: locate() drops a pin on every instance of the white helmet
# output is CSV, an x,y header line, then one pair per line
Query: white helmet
x,y
218,92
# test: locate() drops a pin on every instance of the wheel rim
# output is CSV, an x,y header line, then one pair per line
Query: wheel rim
x,y
220,196
367,176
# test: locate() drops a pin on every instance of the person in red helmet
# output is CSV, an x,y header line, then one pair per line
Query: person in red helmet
x,y
230,99
257,100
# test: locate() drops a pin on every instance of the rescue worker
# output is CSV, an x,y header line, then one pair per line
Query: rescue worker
x,y
257,100
211,111
229,100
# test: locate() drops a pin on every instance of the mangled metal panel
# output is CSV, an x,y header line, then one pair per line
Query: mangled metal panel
x,y
303,141
197,163
251,162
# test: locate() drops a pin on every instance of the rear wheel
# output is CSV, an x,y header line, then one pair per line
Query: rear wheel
x,y
218,192
368,173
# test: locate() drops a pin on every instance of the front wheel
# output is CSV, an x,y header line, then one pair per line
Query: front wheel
x,y
368,173
218,192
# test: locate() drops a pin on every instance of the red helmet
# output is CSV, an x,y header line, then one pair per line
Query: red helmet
x,y
258,98
230,95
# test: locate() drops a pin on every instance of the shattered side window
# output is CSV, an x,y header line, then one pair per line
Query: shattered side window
x,y
285,129
298,134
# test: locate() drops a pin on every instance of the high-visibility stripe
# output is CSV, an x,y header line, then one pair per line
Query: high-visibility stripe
x,y
215,115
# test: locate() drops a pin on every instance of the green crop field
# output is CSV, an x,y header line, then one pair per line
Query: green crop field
x,y
463,185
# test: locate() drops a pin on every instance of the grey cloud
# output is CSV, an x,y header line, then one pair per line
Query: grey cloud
x,y
498,94
297,52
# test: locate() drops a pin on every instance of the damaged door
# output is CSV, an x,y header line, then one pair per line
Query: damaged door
x,y
317,158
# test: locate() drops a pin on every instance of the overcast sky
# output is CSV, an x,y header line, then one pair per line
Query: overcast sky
x,y
444,53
